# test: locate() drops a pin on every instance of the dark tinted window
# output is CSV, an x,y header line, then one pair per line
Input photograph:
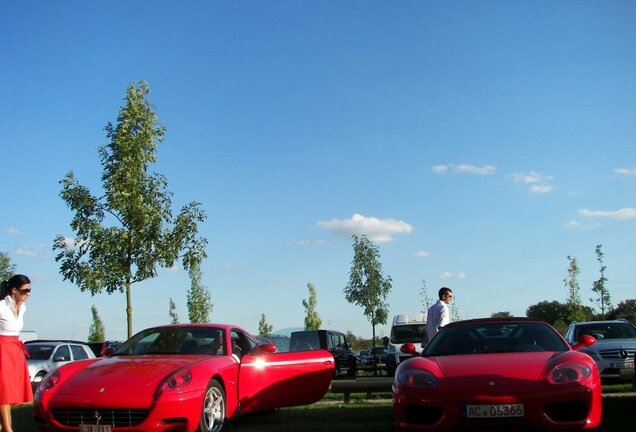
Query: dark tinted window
x,y
485,338
78,352
617,330
62,353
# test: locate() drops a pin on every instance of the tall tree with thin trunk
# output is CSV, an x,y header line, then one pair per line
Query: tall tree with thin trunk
x,y
573,303
172,311
199,301
312,319
604,300
426,300
96,332
264,328
367,286
124,234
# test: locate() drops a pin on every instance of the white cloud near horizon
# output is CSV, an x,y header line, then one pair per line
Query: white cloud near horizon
x,y
13,231
576,225
310,243
620,215
465,169
377,230
625,171
422,254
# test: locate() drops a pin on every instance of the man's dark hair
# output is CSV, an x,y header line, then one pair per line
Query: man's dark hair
x,y
444,291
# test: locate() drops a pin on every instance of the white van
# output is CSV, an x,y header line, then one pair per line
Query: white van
x,y
405,328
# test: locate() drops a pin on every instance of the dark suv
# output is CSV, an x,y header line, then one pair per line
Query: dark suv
x,y
333,341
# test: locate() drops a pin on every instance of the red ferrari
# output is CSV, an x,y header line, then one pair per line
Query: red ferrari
x,y
498,374
184,377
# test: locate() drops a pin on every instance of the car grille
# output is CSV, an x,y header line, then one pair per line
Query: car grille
x,y
618,353
113,417
422,415
567,411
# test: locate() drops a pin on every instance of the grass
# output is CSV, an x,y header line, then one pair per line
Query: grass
x,y
332,415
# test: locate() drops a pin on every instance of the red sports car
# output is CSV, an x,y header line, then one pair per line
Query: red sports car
x,y
184,377
498,374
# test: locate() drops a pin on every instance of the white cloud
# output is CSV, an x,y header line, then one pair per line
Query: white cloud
x,y
13,231
311,243
422,253
25,252
465,169
625,171
541,189
576,225
621,215
448,275
377,230
229,267
539,183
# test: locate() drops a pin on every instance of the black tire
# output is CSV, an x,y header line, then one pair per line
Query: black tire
x,y
213,409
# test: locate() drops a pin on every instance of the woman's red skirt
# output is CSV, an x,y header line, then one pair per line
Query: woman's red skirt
x,y
15,385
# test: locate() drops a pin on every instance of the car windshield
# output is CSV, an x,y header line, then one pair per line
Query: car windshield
x,y
39,352
175,340
495,337
616,330
413,333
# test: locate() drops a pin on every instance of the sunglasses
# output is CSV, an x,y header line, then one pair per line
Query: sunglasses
x,y
24,291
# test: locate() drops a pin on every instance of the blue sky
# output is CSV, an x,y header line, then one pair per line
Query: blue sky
x,y
477,143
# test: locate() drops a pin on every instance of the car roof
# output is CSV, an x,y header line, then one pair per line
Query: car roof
x,y
54,342
512,320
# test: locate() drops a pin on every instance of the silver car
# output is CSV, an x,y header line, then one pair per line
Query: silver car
x,y
46,356
614,349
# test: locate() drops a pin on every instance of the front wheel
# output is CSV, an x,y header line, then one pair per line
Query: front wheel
x,y
213,412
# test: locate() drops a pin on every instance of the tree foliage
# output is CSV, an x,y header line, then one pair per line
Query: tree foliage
x,y
575,310
426,300
172,311
625,309
550,312
264,328
604,300
367,286
7,269
199,301
505,314
312,319
123,235
96,332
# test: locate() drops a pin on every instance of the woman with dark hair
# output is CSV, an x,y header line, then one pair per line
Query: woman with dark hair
x,y
15,386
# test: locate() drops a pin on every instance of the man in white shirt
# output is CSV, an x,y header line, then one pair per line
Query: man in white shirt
x,y
438,314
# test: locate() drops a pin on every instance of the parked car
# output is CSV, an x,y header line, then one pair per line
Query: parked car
x,y
405,328
333,341
45,356
103,348
180,377
614,349
498,374
376,355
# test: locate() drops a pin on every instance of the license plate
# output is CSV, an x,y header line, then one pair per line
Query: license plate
x,y
94,428
494,411
623,365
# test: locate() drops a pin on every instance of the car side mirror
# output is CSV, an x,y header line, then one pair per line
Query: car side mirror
x,y
267,348
60,359
584,341
409,348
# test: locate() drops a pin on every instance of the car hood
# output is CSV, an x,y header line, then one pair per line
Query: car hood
x,y
602,344
125,375
482,370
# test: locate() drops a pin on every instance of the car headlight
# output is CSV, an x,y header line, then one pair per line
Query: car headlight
x,y
569,373
177,380
49,381
595,356
417,378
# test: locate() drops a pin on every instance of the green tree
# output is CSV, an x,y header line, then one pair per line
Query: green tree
x,y
312,319
550,312
571,282
123,235
96,332
7,269
625,309
505,314
426,300
174,318
199,302
604,300
263,327
367,287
